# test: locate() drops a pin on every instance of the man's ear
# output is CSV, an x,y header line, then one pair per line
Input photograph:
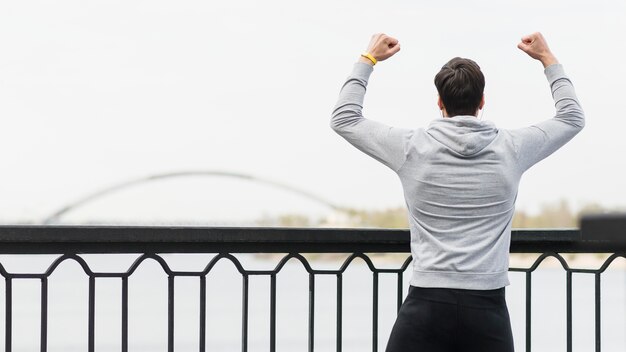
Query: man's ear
x,y
440,103
482,103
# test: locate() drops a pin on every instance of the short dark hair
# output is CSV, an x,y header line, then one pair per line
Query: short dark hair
x,y
460,84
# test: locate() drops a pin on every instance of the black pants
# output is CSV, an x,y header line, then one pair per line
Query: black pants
x,y
452,320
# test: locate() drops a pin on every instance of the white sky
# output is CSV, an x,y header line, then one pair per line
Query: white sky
x,y
97,92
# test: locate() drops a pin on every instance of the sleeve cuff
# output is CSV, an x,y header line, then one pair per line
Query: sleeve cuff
x,y
554,72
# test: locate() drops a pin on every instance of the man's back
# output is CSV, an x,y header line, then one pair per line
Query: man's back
x,y
460,189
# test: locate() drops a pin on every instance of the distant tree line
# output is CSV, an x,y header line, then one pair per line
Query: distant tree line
x,y
551,215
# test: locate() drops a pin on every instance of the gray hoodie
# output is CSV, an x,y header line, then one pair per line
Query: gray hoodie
x,y
460,178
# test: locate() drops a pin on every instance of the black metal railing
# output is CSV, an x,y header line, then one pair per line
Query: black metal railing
x,y
71,241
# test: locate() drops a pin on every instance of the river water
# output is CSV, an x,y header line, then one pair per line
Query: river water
x,y
68,288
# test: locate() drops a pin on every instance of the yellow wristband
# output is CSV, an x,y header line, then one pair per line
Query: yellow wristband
x,y
369,56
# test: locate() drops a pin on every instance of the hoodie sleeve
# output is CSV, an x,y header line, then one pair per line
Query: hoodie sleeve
x,y
384,143
537,142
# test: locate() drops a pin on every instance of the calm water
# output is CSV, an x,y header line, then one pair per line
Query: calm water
x,y
148,306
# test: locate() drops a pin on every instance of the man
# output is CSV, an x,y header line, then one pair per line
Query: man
x,y
460,178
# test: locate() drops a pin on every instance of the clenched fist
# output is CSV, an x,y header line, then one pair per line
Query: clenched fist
x,y
536,47
383,46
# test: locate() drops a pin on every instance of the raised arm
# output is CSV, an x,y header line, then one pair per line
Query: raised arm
x,y
542,139
384,143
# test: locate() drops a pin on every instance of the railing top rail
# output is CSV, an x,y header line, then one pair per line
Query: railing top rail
x,y
24,239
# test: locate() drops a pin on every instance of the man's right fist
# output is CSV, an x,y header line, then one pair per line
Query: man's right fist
x,y
536,47
383,46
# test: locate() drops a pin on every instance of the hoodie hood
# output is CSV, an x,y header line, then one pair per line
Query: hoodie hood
x,y
465,135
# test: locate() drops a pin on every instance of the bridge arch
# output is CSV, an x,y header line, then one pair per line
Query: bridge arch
x,y
56,215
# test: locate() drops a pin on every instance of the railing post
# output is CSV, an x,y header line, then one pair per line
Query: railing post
x,y
92,312
44,314
202,295
125,314
8,303
339,311
375,313
528,310
598,312
273,313
170,313
244,312
311,312
569,309
399,293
